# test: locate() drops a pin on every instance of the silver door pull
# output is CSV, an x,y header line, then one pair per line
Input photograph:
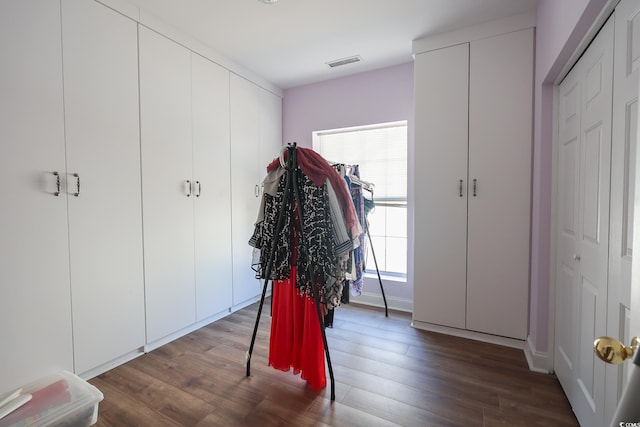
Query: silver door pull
x,y
57,192
199,188
475,187
460,188
77,176
188,188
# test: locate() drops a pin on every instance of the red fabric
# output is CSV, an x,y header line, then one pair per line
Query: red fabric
x,y
319,170
296,338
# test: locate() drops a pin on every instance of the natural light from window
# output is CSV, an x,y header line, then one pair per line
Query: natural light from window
x,y
381,152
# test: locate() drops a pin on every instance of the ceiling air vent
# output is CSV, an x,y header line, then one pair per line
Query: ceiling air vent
x,y
344,61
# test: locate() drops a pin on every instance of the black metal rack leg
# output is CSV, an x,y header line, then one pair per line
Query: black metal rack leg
x,y
384,298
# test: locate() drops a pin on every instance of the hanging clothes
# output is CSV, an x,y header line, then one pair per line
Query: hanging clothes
x,y
316,254
357,197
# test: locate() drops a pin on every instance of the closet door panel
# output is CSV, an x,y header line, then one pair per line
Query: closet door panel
x,y
35,301
441,88
593,233
567,226
245,180
623,172
103,148
165,124
212,176
500,132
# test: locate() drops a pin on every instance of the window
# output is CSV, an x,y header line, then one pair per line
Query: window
x,y
381,153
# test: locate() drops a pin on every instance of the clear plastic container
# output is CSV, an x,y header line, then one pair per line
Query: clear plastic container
x,y
61,399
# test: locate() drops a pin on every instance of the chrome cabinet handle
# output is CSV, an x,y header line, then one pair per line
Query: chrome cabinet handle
x,y
189,188
475,187
57,192
256,191
199,188
77,176
460,188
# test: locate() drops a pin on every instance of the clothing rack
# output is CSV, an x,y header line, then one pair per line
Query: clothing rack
x,y
368,186
291,192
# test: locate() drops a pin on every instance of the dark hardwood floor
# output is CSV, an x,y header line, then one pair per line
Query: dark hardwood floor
x,y
386,373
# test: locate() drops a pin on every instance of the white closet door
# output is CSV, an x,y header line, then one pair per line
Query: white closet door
x,y
593,236
500,132
623,175
167,190
212,176
581,278
103,148
35,307
245,184
567,229
441,93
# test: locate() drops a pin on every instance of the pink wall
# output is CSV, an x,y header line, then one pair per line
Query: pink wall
x,y
561,25
379,96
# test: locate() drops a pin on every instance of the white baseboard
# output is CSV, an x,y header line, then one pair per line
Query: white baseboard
x,y
375,300
538,361
472,335
111,364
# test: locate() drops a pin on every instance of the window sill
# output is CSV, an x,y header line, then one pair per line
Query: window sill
x,y
385,277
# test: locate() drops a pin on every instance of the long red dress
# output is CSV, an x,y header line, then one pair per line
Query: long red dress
x,y
296,338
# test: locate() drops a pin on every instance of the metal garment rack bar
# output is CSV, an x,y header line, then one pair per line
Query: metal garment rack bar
x,y
291,191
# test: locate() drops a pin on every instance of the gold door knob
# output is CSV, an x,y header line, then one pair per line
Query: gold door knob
x,y
612,351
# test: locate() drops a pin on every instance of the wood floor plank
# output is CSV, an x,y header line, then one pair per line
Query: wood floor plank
x,y
387,374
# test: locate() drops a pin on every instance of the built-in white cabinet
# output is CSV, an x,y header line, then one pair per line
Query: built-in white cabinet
x,y
35,303
256,136
72,282
184,113
116,224
103,182
473,130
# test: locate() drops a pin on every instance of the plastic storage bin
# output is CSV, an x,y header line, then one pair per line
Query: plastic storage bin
x,y
62,399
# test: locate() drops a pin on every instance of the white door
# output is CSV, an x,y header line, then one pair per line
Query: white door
x,y
212,179
583,235
623,155
441,127
501,72
103,149
35,301
167,190
245,184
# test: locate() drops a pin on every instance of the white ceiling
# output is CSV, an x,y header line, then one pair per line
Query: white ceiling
x,y
289,42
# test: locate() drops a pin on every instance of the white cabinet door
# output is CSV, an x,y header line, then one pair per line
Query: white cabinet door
x,y
500,132
35,303
211,174
270,129
245,184
167,190
103,149
440,194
